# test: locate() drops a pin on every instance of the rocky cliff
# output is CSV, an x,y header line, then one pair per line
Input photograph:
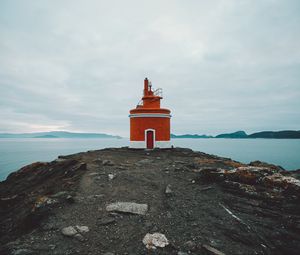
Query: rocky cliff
x,y
172,201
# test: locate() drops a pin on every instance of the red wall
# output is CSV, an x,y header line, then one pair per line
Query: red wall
x,y
139,125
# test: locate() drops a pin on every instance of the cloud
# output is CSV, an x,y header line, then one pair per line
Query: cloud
x,y
79,65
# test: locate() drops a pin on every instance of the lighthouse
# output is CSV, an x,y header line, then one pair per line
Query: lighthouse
x,y
150,124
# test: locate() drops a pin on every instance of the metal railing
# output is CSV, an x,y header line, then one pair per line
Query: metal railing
x,y
158,92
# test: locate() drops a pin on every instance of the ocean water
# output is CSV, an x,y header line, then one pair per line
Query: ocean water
x,y
15,153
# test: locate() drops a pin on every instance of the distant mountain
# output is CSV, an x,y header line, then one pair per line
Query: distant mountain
x,y
237,134
57,134
46,136
190,136
286,134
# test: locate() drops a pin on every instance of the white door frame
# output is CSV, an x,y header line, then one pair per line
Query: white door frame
x,y
154,138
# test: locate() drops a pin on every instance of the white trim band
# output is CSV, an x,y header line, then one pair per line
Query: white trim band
x,y
149,115
163,144
137,144
143,145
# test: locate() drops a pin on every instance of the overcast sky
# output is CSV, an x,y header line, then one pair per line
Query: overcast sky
x,y
224,65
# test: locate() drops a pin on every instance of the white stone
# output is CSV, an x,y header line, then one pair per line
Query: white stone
x,y
82,229
128,207
111,176
69,231
168,189
155,240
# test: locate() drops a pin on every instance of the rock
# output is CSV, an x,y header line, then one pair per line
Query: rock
x,y
206,188
52,246
75,232
244,188
249,174
98,196
148,224
128,207
60,194
190,246
121,168
154,229
264,164
93,174
106,221
212,250
70,199
48,226
143,162
22,252
116,215
69,231
247,178
60,159
82,229
97,160
43,201
168,189
79,237
182,253
281,181
111,176
9,198
155,240
107,162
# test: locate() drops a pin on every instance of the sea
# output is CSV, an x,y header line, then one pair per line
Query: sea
x,y
16,153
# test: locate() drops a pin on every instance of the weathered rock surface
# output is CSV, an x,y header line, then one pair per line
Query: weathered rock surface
x,y
203,204
259,181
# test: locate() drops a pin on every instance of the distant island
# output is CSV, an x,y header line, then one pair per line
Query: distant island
x,y
46,136
57,134
191,136
286,134
237,134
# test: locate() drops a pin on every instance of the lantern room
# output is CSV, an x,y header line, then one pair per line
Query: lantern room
x,y
149,123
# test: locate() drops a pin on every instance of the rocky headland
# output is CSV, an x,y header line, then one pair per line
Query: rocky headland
x,y
171,201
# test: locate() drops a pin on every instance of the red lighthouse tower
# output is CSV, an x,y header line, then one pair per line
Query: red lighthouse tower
x,y
150,124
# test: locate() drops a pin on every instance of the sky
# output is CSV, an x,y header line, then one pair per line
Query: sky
x,y
223,65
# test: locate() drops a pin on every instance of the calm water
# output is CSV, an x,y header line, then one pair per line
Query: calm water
x,y
15,153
